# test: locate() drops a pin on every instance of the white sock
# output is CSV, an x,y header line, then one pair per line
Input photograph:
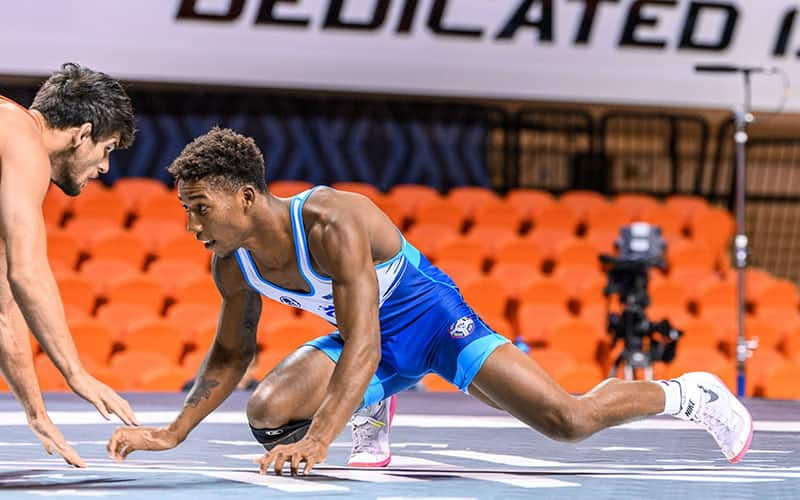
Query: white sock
x,y
672,396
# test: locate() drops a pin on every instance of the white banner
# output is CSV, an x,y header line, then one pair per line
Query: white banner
x,y
620,51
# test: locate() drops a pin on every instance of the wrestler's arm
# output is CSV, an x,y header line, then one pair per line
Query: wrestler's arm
x,y
344,249
226,362
231,352
25,179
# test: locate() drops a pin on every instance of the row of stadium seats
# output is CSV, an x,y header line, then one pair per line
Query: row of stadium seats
x,y
135,283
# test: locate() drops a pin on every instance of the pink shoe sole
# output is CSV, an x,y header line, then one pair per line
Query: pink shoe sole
x,y
749,437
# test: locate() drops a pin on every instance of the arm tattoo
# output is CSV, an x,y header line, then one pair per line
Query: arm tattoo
x,y
252,313
201,390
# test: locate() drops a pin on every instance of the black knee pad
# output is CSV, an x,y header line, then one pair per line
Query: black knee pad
x,y
287,434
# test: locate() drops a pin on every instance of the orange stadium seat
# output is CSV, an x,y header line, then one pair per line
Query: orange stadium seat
x,y
158,335
472,198
120,317
487,296
142,290
122,246
442,211
557,217
577,252
577,278
780,294
516,276
530,201
547,290
128,366
134,189
669,293
490,238
88,230
756,281
56,205
103,204
170,379
769,337
50,379
290,334
156,232
699,333
718,295
553,362
201,290
635,204
393,210
463,249
93,338
684,254
519,251
500,325
686,206
459,271
583,202
412,196
499,214
581,378
714,226
759,367
185,247
428,237
535,321
785,321
175,273
288,188
192,361
782,383
105,272
603,239
362,188
201,334
64,248
697,359
607,218
164,206
578,337
78,292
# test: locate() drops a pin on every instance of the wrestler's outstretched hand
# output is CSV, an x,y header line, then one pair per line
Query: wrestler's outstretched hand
x,y
54,441
308,450
102,397
126,440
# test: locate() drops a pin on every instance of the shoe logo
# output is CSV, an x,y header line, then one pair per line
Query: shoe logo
x,y
290,301
689,408
712,396
462,328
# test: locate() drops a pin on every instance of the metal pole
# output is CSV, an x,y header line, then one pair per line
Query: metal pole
x,y
743,117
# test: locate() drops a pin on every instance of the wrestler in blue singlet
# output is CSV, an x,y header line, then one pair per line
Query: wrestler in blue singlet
x,y
426,326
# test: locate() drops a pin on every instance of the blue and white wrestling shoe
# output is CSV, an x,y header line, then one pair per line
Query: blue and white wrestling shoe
x,y
706,400
370,427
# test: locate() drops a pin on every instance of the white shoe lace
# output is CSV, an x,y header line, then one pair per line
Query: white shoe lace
x,y
365,435
716,424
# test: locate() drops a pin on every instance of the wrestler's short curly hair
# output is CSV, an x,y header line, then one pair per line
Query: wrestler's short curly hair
x,y
75,95
222,157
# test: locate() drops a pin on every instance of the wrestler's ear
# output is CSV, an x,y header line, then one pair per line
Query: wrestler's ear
x,y
81,134
247,196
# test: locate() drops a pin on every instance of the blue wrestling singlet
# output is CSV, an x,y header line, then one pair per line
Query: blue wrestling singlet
x,y
425,324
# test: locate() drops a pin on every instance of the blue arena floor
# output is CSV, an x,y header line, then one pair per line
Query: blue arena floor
x,y
445,446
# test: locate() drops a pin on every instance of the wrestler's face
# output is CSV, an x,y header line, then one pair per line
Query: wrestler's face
x,y
85,159
216,215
